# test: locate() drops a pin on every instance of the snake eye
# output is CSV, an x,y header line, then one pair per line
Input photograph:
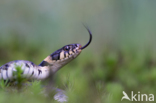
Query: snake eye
x,y
76,45
67,48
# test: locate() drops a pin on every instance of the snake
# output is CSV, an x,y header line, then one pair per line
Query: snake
x,y
50,65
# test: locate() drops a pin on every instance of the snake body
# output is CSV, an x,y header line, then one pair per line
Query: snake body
x,y
51,63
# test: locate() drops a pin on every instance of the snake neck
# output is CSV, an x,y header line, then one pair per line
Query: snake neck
x,y
55,65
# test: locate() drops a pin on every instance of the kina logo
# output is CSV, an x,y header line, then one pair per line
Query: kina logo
x,y
138,97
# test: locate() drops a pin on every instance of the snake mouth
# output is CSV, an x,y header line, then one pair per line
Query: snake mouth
x,y
90,39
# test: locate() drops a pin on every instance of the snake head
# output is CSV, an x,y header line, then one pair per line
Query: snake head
x,y
67,51
71,50
61,57
64,55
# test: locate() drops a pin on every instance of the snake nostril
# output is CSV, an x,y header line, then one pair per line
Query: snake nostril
x,y
79,45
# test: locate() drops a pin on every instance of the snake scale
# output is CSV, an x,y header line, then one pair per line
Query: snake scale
x,y
51,63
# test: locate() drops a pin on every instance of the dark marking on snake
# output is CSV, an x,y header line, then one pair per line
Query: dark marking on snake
x,y
73,50
27,65
5,67
64,54
44,63
39,71
32,73
68,52
56,56
32,64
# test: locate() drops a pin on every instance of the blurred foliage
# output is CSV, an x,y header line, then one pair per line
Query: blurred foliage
x,y
120,58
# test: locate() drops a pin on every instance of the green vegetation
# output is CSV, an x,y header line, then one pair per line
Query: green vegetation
x,y
120,58
92,78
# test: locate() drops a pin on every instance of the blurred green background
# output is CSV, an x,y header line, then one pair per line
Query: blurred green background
x,y
121,57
